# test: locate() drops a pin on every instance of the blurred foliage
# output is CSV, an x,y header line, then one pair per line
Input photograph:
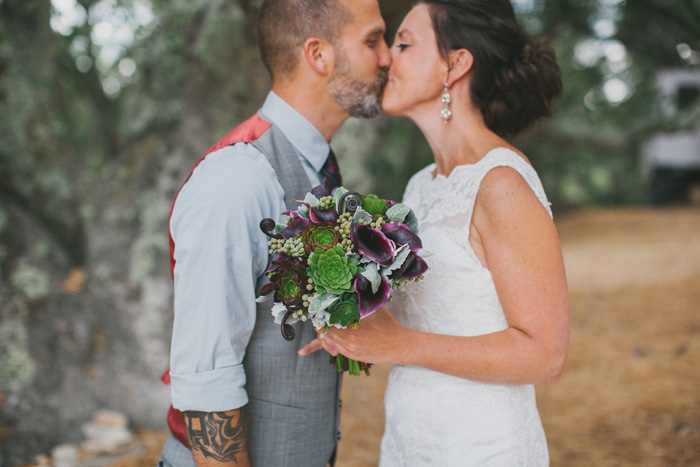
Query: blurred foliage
x,y
64,132
588,154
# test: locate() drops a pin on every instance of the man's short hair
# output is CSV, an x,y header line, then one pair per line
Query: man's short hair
x,y
284,25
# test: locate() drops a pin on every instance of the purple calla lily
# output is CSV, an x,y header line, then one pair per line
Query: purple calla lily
x,y
267,289
295,227
370,302
416,268
373,244
406,264
402,235
319,216
320,191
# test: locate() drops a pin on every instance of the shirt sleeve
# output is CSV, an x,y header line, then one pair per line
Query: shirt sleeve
x,y
220,252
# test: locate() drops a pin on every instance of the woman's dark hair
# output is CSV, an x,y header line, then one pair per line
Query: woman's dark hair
x,y
514,77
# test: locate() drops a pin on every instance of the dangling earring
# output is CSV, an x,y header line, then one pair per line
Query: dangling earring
x,y
446,113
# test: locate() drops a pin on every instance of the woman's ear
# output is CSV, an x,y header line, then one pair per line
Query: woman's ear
x,y
317,53
460,62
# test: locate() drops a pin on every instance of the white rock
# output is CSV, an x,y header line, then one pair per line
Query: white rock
x,y
104,438
110,418
42,460
64,455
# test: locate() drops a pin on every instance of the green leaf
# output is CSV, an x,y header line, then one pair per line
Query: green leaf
x,y
311,199
321,302
362,214
411,222
371,273
340,191
401,255
344,313
398,212
264,298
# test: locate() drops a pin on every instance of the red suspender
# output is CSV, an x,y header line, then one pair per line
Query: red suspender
x,y
246,132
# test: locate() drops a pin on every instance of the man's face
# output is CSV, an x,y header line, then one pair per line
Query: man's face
x,y
362,60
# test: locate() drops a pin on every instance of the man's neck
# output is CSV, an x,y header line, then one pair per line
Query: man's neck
x,y
317,107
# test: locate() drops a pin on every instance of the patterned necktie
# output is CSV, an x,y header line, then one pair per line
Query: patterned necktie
x,y
331,172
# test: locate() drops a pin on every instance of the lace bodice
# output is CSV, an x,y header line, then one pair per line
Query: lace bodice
x,y
437,419
448,201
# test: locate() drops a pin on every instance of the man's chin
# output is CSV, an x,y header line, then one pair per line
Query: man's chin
x,y
373,109
365,111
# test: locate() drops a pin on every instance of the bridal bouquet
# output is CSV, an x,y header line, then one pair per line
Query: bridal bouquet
x,y
336,260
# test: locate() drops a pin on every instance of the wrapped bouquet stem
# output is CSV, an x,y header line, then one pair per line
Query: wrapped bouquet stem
x,y
337,259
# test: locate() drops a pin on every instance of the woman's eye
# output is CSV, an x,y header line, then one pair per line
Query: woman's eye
x,y
402,46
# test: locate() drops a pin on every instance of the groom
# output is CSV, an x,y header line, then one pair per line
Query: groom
x,y
241,395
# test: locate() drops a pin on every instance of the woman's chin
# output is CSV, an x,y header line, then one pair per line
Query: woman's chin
x,y
390,108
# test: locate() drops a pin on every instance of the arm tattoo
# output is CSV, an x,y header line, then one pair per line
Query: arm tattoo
x,y
221,436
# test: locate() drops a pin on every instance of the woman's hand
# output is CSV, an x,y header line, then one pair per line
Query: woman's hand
x,y
378,339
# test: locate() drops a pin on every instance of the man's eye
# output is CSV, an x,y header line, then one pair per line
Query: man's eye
x,y
372,43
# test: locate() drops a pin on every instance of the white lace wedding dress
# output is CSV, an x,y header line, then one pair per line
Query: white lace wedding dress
x,y
433,419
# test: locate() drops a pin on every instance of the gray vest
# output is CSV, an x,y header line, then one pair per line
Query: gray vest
x,y
294,401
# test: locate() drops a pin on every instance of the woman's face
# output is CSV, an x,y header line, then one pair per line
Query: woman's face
x,y
418,72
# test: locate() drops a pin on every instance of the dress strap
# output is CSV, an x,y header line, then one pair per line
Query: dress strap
x,y
503,157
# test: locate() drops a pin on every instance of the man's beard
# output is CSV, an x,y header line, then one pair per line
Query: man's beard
x,y
356,97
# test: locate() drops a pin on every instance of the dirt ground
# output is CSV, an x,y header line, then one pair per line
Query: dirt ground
x,y
630,395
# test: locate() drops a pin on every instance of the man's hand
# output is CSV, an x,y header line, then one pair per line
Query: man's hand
x,y
218,438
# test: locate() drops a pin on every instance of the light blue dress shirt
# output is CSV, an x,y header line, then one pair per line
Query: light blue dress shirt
x,y
220,253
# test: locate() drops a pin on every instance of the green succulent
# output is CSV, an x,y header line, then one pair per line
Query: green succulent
x,y
288,286
374,205
331,270
323,236
287,280
345,312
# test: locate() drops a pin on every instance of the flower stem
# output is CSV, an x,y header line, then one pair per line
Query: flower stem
x,y
353,367
339,363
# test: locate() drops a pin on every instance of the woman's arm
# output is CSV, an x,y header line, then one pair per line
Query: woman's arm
x,y
517,240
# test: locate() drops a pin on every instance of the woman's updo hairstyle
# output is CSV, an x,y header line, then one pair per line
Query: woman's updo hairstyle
x,y
514,78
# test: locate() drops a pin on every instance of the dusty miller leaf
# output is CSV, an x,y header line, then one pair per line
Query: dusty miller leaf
x,y
321,302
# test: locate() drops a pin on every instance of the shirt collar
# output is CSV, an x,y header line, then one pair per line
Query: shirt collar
x,y
301,133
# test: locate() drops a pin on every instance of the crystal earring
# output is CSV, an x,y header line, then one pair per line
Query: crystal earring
x,y
446,113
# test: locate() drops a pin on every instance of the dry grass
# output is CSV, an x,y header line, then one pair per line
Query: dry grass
x,y
630,395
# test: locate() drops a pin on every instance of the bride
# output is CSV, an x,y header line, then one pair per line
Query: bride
x,y
491,317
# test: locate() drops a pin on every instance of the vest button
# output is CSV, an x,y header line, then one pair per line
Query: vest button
x,y
337,436
340,404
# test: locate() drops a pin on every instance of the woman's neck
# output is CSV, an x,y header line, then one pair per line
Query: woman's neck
x,y
464,139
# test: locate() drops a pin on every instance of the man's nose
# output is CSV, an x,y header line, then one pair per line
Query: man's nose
x,y
385,58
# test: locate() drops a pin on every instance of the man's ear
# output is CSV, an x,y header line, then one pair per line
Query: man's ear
x,y
460,62
318,54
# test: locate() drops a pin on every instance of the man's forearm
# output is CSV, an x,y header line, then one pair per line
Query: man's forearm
x,y
218,438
